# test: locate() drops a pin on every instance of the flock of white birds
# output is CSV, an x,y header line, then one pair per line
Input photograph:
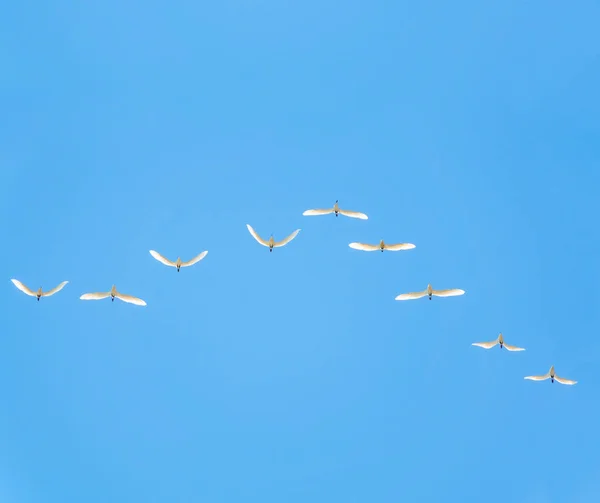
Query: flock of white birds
x,y
271,243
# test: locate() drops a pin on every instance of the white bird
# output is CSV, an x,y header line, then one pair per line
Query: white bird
x,y
382,246
178,263
336,209
499,340
429,292
271,243
112,294
40,292
551,375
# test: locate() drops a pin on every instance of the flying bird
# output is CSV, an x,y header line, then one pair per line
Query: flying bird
x,y
382,246
271,243
552,376
336,209
40,292
499,340
112,294
429,292
178,263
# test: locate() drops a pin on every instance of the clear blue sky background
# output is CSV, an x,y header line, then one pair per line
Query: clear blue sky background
x,y
468,128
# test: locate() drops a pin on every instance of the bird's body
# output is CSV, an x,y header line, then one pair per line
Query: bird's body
x,y
113,294
551,374
429,292
381,246
178,263
499,340
39,293
336,210
271,243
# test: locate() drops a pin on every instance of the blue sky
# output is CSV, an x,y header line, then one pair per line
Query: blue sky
x,y
468,128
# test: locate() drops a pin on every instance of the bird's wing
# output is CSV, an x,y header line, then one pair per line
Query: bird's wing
x,y
129,299
353,214
411,295
562,380
162,259
538,378
287,239
196,259
486,345
54,290
313,213
256,236
95,296
400,246
448,293
364,247
513,348
23,288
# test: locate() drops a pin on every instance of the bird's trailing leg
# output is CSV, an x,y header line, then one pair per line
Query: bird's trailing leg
x,y
38,298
